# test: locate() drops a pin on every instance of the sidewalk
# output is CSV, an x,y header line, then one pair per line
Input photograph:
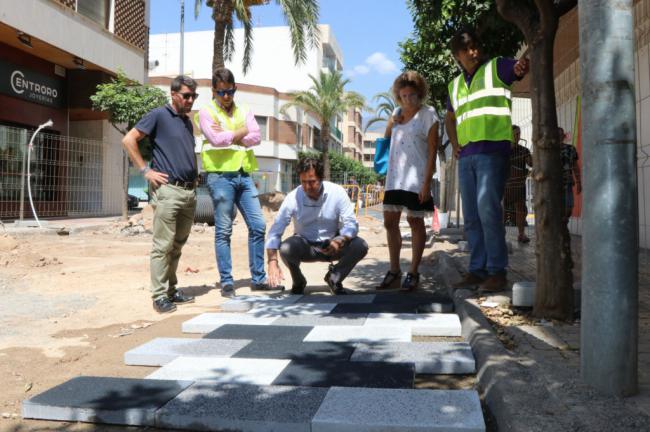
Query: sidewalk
x,y
531,378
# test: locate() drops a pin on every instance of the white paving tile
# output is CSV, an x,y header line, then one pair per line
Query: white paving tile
x,y
161,351
431,324
222,370
349,409
428,357
207,322
286,310
356,334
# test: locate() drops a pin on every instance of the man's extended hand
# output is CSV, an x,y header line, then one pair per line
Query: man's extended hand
x,y
156,178
425,193
521,67
456,151
334,247
274,275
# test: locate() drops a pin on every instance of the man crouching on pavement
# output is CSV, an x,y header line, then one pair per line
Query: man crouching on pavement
x,y
325,230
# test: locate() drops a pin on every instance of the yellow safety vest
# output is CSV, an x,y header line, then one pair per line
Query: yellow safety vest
x,y
483,111
233,157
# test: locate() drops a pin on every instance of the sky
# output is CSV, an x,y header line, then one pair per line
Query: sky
x,y
368,33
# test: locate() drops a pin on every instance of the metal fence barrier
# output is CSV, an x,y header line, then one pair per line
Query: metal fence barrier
x,y
69,176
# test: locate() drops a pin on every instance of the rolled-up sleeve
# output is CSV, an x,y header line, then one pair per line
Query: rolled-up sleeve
x,y
282,220
350,226
253,137
217,139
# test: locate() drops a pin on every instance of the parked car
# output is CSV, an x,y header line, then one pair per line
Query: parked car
x,y
132,202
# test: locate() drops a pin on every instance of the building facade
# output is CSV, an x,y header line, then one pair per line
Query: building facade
x,y
265,88
353,135
54,53
369,148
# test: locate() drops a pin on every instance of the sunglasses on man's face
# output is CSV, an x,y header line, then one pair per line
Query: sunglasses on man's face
x,y
186,96
222,93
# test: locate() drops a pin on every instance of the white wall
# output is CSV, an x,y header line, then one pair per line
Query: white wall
x,y
272,60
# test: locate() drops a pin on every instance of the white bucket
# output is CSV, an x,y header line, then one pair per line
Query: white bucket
x,y
443,218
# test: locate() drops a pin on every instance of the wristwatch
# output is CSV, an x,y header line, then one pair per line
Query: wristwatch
x,y
144,170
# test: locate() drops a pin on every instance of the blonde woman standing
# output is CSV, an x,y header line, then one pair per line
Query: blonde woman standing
x,y
412,159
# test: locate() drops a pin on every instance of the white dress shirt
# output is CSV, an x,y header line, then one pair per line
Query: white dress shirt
x,y
317,220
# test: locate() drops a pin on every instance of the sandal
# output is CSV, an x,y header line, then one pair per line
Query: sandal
x,y
391,281
411,282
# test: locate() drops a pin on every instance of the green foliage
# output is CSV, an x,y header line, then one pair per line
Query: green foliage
x,y
301,17
435,22
126,102
326,98
384,109
340,165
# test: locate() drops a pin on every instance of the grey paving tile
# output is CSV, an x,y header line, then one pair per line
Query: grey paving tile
x,y
260,333
269,310
323,320
420,324
161,351
387,410
355,334
326,373
234,305
428,357
244,408
207,322
296,350
339,299
123,401
221,370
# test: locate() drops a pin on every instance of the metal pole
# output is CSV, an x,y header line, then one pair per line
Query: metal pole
x,y
182,60
22,184
609,333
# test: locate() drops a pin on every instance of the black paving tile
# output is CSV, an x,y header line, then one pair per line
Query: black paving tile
x,y
300,351
320,373
268,333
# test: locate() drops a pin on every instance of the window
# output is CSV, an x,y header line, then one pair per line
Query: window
x,y
351,134
368,157
96,10
261,121
369,144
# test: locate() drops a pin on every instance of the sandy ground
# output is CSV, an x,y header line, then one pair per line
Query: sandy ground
x,y
74,304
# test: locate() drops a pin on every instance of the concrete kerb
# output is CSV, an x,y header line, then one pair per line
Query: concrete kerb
x,y
514,394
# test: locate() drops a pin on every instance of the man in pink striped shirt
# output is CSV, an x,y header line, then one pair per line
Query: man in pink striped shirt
x,y
230,132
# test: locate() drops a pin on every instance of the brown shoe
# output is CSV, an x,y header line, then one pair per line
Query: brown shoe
x,y
494,283
468,281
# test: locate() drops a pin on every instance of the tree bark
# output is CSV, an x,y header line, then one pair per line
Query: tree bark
x,y
554,290
325,140
221,14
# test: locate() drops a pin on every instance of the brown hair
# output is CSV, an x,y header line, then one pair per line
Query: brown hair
x,y
410,79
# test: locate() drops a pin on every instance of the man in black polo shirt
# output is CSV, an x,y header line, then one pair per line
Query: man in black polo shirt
x,y
172,177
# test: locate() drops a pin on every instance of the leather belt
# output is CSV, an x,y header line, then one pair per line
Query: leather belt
x,y
183,184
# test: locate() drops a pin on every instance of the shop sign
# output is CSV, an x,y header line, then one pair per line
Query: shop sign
x,y
23,83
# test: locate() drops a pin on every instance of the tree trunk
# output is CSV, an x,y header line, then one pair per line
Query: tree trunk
x,y
220,15
325,140
554,290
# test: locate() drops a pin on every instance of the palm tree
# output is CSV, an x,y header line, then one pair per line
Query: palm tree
x,y
325,99
301,16
385,107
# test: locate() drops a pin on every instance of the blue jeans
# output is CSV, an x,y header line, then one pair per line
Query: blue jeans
x,y
482,179
227,191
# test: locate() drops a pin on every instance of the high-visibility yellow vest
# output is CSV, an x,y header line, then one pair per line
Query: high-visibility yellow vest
x,y
483,111
230,158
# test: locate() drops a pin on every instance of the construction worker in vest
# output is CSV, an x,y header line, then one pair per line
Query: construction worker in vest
x,y
230,132
479,125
